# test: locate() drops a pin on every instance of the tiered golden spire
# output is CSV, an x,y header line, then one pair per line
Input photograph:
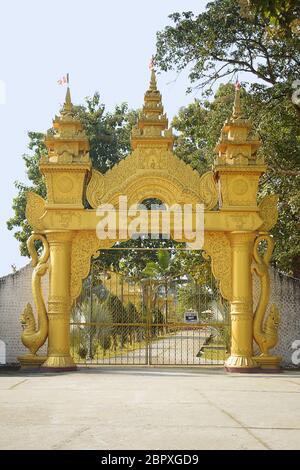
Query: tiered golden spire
x,y
152,126
67,163
66,141
236,145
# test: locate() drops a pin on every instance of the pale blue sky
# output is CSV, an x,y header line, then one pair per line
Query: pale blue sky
x,y
104,45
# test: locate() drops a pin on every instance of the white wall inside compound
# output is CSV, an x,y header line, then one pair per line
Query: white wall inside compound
x,y
285,293
2,352
15,293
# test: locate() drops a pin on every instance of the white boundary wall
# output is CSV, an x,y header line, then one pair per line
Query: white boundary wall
x,y
15,293
285,293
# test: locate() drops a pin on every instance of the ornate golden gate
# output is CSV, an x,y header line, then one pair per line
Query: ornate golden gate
x,y
120,319
235,225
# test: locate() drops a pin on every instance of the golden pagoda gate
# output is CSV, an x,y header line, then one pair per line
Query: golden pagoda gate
x,y
234,224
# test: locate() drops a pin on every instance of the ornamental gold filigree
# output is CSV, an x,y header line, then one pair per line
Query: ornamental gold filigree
x,y
35,209
95,189
84,246
217,247
151,173
268,211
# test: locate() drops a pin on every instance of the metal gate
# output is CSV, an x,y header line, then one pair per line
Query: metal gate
x,y
124,320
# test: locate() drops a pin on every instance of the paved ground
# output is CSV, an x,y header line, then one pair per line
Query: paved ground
x,y
139,408
181,348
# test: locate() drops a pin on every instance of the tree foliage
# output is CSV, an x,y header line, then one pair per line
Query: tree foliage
x,y
283,15
219,43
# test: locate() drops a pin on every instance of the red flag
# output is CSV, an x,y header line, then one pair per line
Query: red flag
x,y
64,80
237,84
151,63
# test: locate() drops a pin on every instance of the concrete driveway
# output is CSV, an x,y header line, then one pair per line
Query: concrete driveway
x,y
149,408
181,348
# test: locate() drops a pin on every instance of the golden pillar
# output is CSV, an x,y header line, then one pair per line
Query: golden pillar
x,y
65,168
241,305
59,303
238,168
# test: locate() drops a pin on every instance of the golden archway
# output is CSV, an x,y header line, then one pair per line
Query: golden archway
x,y
234,223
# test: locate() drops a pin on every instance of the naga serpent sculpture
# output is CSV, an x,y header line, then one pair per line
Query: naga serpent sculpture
x,y
34,336
265,331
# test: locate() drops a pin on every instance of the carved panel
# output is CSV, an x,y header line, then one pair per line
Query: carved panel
x,y
268,211
154,171
239,189
95,189
35,209
84,246
217,247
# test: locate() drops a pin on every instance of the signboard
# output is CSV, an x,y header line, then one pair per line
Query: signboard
x,y
191,316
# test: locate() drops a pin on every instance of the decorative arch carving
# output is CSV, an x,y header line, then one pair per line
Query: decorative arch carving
x,y
152,173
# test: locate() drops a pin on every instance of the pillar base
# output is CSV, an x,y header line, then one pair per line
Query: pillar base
x,y
267,362
241,364
31,361
59,364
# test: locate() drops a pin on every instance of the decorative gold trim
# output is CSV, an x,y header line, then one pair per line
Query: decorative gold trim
x,y
268,211
217,247
84,246
35,209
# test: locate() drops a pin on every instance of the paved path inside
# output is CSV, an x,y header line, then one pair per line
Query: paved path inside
x,y
149,408
181,348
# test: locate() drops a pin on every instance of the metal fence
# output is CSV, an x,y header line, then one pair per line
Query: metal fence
x,y
128,320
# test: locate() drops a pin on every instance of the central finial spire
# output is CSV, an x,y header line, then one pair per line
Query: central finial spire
x,y
68,102
237,109
152,126
153,83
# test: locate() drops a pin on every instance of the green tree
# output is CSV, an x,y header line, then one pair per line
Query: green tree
x,y
134,316
18,222
85,339
163,272
219,43
200,125
283,15
119,316
109,136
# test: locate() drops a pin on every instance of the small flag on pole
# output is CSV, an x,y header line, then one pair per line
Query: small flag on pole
x,y
151,63
64,80
237,84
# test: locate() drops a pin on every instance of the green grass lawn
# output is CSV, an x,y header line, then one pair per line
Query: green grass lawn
x,y
212,352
